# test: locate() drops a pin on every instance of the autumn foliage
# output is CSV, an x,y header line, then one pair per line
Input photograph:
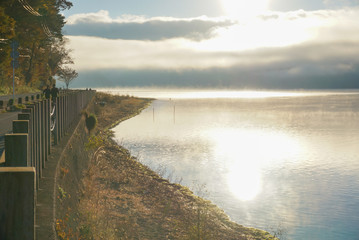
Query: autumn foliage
x,y
37,27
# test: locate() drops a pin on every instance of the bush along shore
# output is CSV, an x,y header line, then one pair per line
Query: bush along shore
x,y
105,193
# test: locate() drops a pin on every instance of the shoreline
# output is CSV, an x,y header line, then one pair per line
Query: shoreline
x,y
120,198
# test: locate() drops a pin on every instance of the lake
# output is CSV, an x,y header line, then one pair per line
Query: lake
x,y
270,160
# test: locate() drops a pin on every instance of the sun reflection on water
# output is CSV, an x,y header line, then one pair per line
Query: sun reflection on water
x,y
246,152
244,181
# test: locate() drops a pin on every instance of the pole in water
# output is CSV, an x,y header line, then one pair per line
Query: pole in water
x,y
174,113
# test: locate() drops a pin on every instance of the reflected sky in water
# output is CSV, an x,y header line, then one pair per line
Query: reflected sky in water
x,y
288,159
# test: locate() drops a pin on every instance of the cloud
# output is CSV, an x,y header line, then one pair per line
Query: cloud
x,y
300,66
99,53
288,49
314,37
174,54
131,27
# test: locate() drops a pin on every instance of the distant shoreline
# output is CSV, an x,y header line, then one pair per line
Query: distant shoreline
x,y
208,93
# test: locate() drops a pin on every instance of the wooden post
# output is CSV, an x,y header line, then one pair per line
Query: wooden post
x,y
49,123
57,130
18,203
38,138
46,126
34,134
36,146
72,107
42,132
16,150
62,116
22,126
67,104
27,115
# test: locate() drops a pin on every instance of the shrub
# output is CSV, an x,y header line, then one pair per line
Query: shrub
x,y
91,122
94,142
10,102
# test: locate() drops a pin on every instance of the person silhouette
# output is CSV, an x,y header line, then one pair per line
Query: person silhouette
x,y
47,92
54,92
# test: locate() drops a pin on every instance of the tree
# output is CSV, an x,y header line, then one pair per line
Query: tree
x,y
7,25
37,26
67,75
59,55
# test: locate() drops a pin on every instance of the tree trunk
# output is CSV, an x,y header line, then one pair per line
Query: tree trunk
x,y
28,74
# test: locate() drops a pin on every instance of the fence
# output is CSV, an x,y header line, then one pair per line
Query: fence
x,y
41,124
8,103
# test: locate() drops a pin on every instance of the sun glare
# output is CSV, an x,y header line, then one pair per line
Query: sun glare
x,y
246,152
243,8
244,181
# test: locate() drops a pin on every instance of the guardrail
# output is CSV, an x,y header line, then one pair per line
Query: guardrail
x,y
26,152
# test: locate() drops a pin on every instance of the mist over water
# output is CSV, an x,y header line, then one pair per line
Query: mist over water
x,y
271,160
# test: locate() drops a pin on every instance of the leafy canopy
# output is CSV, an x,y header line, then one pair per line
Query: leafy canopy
x,y
37,26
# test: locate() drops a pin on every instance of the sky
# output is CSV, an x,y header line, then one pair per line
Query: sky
x,y
301,44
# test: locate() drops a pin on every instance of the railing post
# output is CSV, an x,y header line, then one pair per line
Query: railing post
x,y
68,103
32,108
22,126
16,150
72,107
49,123
38,137
61,122
46,126
27,115
35,143
57,126
18,199
42,132
63,116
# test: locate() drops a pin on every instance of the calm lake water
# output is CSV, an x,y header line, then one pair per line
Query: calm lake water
x,y
287,160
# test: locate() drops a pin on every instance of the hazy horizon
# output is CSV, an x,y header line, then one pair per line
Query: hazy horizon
x,y
118,78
